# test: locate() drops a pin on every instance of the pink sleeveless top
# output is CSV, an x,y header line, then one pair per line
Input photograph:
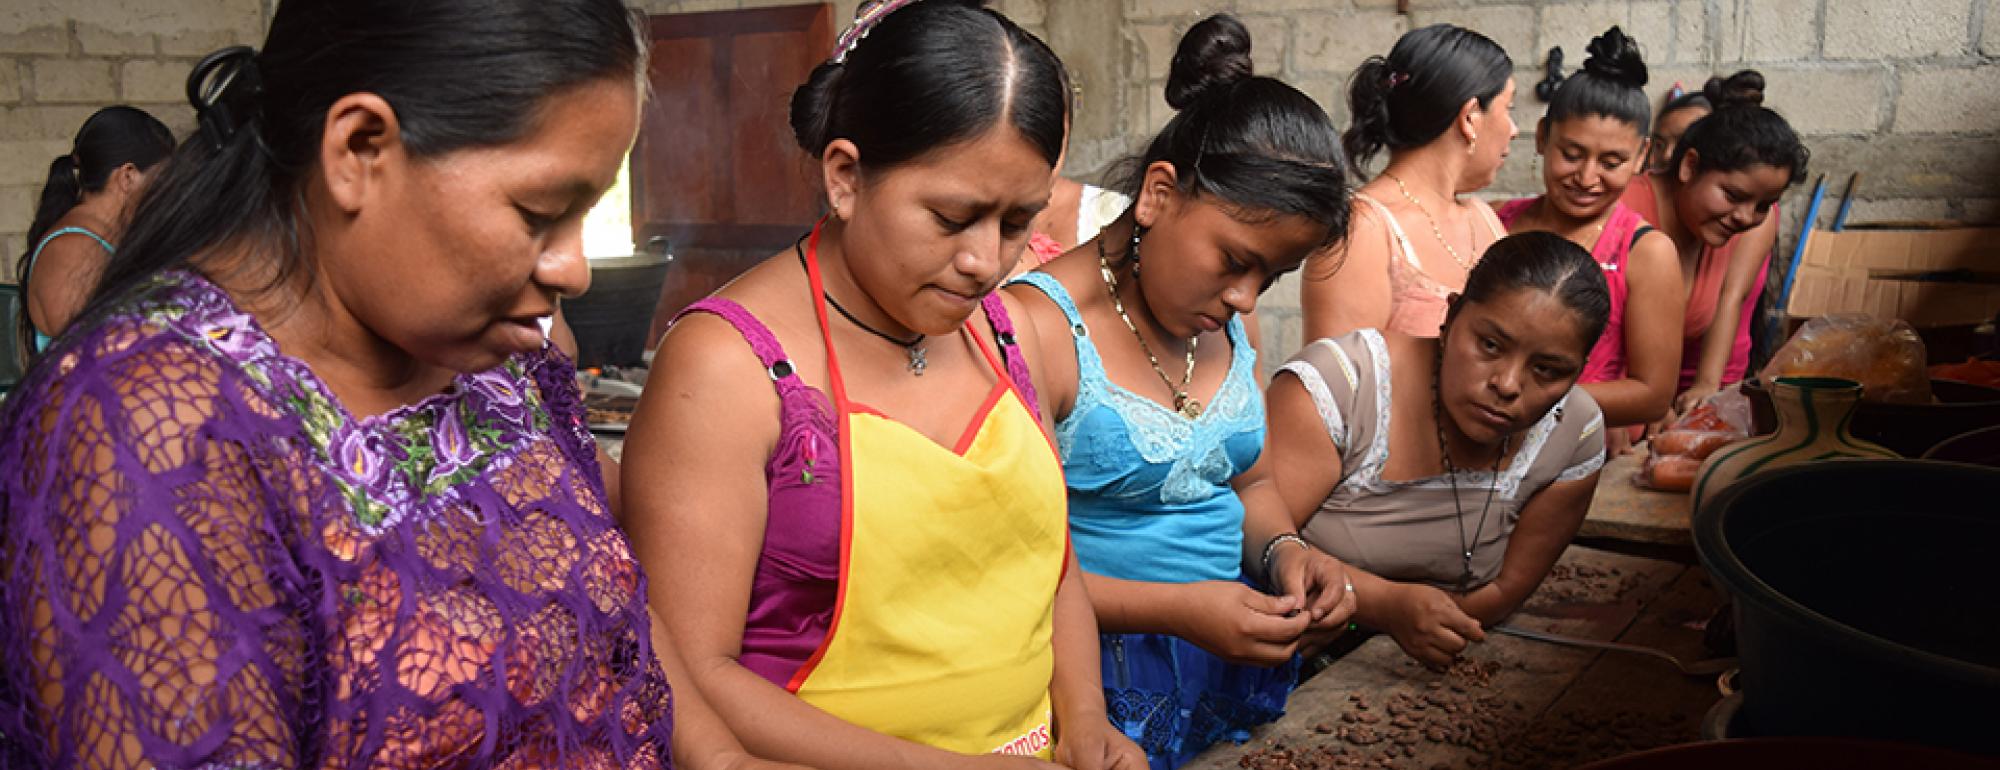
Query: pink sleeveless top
x,y
1418,302
1614,246
1708,277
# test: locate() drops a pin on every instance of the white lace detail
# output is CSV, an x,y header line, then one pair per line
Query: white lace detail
x,y
1506,484
1323,403
1596,462
1583,469
1368,473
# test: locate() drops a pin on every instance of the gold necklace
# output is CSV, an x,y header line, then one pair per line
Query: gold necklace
x,y
1188,406
1435,230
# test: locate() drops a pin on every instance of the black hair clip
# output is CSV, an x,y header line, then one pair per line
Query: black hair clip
x,y
225,90
1552,75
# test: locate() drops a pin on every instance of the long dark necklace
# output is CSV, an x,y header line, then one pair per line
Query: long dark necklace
x,y
914,346
1451,470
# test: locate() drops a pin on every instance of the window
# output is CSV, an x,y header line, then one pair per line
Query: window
x,y
607,229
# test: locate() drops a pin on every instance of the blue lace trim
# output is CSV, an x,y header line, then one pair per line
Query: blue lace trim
x,y
1195,449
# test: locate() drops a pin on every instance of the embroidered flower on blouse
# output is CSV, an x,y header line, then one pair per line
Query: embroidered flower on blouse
x,y
452,447
390,467
236,336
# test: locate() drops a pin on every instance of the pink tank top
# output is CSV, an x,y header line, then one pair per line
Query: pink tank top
x,y
1417,301
1614,246
1708,276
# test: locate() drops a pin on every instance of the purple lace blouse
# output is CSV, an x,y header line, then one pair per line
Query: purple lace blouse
x,y
207,562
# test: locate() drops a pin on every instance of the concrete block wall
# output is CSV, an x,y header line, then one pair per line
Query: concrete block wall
x,y
61,60
1906,92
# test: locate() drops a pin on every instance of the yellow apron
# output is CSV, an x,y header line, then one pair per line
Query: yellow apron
x,y
949,562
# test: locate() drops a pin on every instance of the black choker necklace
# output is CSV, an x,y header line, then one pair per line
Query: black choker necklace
x,y
914,346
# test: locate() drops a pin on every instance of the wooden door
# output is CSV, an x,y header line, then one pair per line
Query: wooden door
x,y
717,172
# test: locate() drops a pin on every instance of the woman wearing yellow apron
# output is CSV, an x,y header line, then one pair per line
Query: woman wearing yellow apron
x,y
1203,588
857,524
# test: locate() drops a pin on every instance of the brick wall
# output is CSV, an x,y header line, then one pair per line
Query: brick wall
x,y
1907,92
61,60
1904,91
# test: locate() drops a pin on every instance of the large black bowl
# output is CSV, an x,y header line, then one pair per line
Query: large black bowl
x,y
1978,447
1800,753
1866,604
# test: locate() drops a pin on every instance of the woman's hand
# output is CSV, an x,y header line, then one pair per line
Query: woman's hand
x,y
1320,584
1428,624
1097,745
1241,624
1694,395
1618,442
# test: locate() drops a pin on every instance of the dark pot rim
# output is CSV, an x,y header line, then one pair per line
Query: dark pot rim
x,y
1971,435
1711,749
1819,383
1722,563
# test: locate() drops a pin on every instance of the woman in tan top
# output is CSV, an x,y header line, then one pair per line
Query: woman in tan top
x,y
1439,104
1448,474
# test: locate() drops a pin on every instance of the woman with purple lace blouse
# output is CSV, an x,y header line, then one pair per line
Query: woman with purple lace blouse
x,y
305,487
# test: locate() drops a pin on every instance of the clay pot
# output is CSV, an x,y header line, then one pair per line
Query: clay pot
x,y
1814,414
1907,429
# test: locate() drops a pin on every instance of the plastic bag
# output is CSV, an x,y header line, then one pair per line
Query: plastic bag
x,y
1886,357
1675,456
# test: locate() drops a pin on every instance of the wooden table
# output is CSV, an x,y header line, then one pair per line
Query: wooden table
x,y
1545,705
1623,511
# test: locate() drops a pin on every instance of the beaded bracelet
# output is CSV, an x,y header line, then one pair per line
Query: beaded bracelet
x,y
1271,550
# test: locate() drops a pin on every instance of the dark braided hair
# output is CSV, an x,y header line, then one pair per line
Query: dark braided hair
x,y
1742,132
1546,262
1256,144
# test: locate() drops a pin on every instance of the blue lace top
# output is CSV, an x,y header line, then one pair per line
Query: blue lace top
x,y
1149,490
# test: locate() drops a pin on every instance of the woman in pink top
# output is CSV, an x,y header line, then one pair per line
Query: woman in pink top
x,y
1716,204
1592,142
1439,104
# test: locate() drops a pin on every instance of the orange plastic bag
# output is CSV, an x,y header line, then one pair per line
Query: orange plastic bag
x,y
1886,357
1675,455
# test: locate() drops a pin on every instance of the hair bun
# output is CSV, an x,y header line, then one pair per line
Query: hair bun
x,y
1745,88
1615,56
1213,54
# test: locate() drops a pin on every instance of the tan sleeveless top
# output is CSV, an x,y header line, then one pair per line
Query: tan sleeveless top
x,y
1409,531
1418,302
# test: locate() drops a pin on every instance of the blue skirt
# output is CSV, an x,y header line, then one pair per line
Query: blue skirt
x,y
1175,699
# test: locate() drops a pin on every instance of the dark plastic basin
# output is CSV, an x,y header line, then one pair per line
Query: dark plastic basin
x,y
1979,447
1813,753
1865,601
